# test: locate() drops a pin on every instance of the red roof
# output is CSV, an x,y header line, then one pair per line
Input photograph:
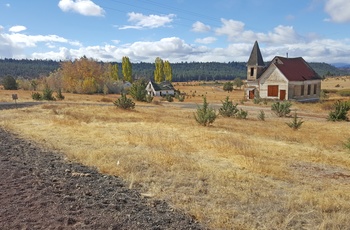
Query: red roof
x,y
295,69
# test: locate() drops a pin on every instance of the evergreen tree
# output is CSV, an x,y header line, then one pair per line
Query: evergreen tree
x,y
204,114
138,90
127,69
159,70
168,71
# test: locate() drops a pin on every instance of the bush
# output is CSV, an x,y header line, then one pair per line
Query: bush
x,y
36,96
296,123
281,109
59,95
9,83
228,109
169,98
124,103
138,90
47,94
149,98
204,114
228,86
340,111
242,114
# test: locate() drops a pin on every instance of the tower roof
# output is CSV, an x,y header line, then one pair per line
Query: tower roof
x,y
255,58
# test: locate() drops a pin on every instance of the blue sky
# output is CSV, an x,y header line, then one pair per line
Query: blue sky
x,y
175,30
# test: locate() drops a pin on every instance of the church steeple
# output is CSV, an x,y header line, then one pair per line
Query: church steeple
x,y
255,64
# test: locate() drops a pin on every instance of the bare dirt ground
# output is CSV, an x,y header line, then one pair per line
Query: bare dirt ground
x,y
41,190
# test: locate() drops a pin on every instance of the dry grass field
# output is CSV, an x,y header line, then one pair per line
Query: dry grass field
x,y
236,174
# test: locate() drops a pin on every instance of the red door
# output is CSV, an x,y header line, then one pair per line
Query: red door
x,y
251,94
282,95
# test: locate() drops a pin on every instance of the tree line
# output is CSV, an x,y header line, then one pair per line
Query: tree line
x,y
184,71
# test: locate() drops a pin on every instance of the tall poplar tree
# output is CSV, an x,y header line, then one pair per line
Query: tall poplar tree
x,y
114,72
127,69
168,72
159,70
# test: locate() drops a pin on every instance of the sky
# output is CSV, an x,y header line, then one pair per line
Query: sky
x,y
175,30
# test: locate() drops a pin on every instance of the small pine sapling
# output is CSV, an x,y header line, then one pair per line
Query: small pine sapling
x,y
296,122
124,103
228,109
204,114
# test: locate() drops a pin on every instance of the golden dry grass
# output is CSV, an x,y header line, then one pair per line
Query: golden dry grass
x,y
237,174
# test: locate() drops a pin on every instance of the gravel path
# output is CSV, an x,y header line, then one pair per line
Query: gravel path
x,y
40,190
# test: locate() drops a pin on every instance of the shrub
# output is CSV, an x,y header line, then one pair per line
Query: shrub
x,y
261,115
36,96
340,111
228,109
296,122
149,98
242,114
138,90
281,109
47,94
9,83
124,103
169,98
228,86
181,98
204,114
59,94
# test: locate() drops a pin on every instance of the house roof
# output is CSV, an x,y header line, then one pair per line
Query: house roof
x,y
165,85
295,69
255,58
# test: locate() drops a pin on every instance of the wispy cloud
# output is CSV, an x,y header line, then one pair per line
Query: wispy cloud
x,y
84,7
200,27
141,21
207,40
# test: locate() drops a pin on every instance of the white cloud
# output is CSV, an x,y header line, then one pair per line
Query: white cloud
x,y
231,28
338,10
140,21
207,40
16,29
200,27
84,7
235,32
8,5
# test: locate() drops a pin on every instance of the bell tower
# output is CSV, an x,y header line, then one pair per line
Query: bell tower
x,y
255,64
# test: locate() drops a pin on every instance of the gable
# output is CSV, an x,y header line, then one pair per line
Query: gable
x,y
272,75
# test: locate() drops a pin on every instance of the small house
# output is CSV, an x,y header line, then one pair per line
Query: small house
x,y
160,89
284,78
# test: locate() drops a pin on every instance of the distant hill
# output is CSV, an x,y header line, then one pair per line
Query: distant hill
x,y
184,71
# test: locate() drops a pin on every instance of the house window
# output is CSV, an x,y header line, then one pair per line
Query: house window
x,y
315,89
302,90
272,91
251,71
308,89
